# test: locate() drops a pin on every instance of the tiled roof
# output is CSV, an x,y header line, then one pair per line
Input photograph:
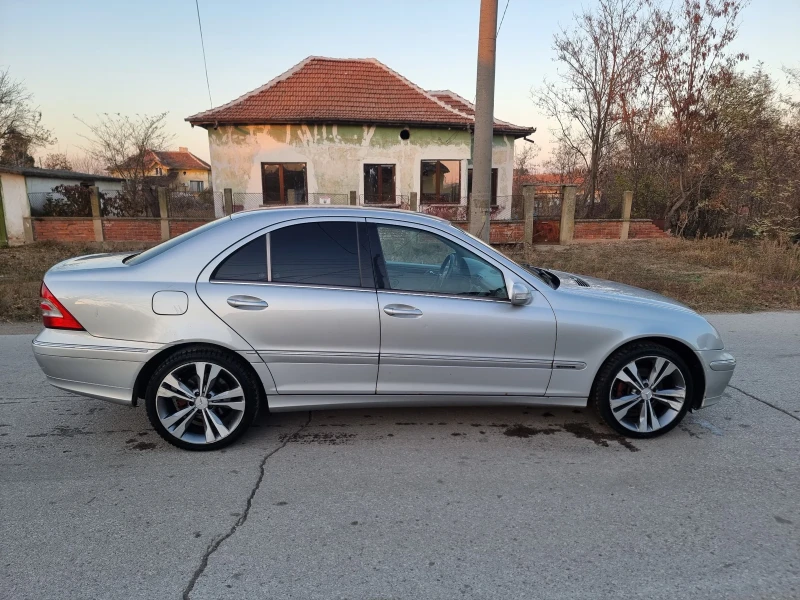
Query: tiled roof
x,y
347,90
179,160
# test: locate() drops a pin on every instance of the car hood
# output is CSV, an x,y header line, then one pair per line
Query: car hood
x,y
592,286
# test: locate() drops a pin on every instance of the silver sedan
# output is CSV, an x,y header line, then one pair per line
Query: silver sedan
x,y
309,308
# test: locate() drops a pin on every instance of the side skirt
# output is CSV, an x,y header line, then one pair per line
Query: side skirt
x,y
288,403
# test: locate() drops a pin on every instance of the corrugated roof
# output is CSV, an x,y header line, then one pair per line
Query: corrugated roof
x,y
55,174
347,90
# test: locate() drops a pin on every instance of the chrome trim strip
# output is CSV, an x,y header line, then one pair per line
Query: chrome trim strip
x,y
89,347
308,357
291,285
290,402
453,296
463,361
569,364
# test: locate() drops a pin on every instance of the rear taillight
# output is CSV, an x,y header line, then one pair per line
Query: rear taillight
x,y
54,315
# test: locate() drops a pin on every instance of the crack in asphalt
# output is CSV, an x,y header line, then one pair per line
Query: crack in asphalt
x,y
770,404
217,542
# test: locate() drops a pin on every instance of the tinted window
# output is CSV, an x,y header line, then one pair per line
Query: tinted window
x,y
324,253
419,261
248,263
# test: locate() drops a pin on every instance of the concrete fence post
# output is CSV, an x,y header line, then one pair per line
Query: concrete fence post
x,y
228,195
627,202
528,195
567,229
414,202
94,198
353,198
163,208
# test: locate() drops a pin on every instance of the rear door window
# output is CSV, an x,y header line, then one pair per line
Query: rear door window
x,y
248,263
319,253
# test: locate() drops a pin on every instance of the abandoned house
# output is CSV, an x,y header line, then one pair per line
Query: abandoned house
x,y
333,127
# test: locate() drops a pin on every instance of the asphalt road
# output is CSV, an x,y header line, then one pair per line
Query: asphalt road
x,y
417,504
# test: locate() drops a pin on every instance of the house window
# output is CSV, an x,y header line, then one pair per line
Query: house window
x,y
195,186
284,183
494,185
379,184
159,171
440,182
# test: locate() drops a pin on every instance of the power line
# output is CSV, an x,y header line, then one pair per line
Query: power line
x,y
203,46
501,18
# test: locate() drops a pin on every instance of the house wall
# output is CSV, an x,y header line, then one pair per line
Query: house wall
x,y
15,206
335,155
187,175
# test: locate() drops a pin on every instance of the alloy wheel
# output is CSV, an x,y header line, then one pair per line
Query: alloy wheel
x,y
200,403
647,394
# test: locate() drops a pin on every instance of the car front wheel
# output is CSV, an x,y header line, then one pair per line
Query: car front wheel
x,y
643,390
201,399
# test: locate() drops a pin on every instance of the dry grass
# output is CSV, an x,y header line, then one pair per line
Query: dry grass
x,y
712,275
22,269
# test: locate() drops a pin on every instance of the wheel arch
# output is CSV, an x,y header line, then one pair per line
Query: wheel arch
x,y
678,347
143,377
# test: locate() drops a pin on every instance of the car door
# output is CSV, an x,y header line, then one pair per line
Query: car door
x,y
303,295
447,325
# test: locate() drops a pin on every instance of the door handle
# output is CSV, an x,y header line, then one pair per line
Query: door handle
x,y
247,303
402,310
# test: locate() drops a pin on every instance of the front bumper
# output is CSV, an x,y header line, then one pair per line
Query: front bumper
x,y
78,362
718,367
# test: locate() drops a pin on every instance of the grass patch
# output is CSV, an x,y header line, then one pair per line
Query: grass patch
x,y
711,275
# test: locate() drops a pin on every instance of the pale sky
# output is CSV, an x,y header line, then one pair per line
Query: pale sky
x,y
93,56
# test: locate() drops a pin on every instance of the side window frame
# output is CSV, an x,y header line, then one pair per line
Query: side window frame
x,y
365,265
379,262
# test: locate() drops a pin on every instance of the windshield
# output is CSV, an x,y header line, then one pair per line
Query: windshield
x,y
164,246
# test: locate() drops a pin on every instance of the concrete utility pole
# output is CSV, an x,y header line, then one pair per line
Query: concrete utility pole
x,y
484,123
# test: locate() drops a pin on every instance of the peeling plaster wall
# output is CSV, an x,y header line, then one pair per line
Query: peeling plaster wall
x,y
335,155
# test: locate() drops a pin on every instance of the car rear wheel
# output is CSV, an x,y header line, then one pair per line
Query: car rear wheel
x,y
643,390
201,399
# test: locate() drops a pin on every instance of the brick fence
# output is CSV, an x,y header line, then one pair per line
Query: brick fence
x,y
81,229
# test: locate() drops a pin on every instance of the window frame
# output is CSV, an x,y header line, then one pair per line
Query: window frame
x,y
281,185
495,175
437,181
367,273
199,184
393,196
379,261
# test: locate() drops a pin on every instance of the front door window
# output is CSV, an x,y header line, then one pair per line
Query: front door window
x,y
420,261
284,183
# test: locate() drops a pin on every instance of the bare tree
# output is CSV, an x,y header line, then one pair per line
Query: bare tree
x,y
524,158
19,118
84,163
57,160
692,44
567,163
602,56
121,143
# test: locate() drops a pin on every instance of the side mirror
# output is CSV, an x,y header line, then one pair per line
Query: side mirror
x,y
520,294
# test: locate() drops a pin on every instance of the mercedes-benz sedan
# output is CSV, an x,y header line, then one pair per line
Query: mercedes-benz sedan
x,y
308,308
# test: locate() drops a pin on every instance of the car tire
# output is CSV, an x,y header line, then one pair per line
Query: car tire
x,y
643,390
206,414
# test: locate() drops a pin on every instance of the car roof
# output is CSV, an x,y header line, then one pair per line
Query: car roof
x,y
279,212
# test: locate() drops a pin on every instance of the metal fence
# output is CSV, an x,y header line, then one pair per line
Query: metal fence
x,y
386,201
62,201
194,205
448,210
134,202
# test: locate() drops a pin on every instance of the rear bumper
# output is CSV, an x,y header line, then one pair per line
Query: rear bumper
x,y
718,367
78,362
